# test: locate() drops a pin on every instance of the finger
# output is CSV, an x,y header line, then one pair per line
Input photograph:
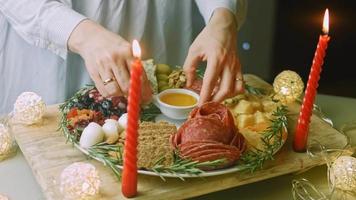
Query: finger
x,y
190,66
129,58
211,76
122,76
106,73
226,88
99,84
147,91
239,83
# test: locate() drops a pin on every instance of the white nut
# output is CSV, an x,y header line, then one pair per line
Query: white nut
x,y
123,121
91,135
111,130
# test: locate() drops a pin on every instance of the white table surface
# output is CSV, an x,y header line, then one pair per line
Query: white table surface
x,y
18,183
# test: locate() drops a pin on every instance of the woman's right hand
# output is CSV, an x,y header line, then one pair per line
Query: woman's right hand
x,y
107,57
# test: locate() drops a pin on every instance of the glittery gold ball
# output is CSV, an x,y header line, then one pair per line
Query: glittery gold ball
x,y
8,145
80,181
288,86
343,173
29,108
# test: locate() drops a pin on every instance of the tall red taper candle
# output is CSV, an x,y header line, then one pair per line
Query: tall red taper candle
x,y
301,134
129,174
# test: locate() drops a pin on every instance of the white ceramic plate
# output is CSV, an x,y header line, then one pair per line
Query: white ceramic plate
x,y
169,175
178,123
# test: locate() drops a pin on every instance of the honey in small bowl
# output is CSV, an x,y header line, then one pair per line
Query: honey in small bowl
x,y
178,99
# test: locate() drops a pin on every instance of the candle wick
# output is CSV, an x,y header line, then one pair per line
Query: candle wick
x,y
325,32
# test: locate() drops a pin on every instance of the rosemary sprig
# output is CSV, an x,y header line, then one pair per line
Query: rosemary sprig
x,y
201,72
254,90
150,112
272,140
63,126
101,152
183,166
68,104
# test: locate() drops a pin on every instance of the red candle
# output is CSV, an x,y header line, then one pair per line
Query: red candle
x,y
129,174
301,134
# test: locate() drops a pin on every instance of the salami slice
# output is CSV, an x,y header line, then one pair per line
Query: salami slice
x,y
205,146
199,154
192,144
217,111
204,128
209,134
230,159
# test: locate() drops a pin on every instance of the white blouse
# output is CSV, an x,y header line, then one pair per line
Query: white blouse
x,y
34,34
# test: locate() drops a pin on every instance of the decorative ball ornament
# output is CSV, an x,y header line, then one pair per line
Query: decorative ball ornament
x,y
288,86
342,173
8,146
80,181
29,108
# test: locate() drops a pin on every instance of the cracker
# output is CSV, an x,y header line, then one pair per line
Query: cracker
x,y
154,144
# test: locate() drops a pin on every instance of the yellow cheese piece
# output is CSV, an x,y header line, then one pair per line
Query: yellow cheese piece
x,y
269,106
243,107
257,105
245,120
260,117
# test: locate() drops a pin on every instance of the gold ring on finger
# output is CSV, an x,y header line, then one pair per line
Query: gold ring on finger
x,y
107,81
238,79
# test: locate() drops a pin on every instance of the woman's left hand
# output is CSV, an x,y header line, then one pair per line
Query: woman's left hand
x,y
216,44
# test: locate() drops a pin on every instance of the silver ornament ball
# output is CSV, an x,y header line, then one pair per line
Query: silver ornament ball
x,y
80,181
8,146
29,108
343,173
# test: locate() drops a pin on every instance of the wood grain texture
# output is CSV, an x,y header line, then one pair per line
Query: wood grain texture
x,y
48,154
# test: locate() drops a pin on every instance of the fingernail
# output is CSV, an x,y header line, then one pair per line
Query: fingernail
x,y
189,83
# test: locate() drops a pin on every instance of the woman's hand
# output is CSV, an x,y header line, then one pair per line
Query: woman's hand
x,y
107,57
216,44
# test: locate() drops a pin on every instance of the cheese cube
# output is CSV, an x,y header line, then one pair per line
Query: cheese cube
x,y
243,107
256,105
245,120
269,106
260,117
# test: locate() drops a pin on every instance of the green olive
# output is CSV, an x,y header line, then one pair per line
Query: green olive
x,y
162,83
163,69
162,77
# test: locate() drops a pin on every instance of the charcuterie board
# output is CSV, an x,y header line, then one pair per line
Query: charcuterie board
x,y
47,153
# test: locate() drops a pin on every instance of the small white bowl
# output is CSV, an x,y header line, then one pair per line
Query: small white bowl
x,y
175,112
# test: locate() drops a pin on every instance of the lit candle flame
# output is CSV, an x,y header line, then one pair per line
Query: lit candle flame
x,y
136,50
326,22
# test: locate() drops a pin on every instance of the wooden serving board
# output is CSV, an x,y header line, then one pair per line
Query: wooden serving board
x,y
48,154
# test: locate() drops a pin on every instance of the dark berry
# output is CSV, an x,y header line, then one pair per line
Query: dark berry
x,y
106,104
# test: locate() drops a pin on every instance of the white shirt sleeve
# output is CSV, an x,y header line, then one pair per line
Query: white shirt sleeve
x,y
43,23
238,7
